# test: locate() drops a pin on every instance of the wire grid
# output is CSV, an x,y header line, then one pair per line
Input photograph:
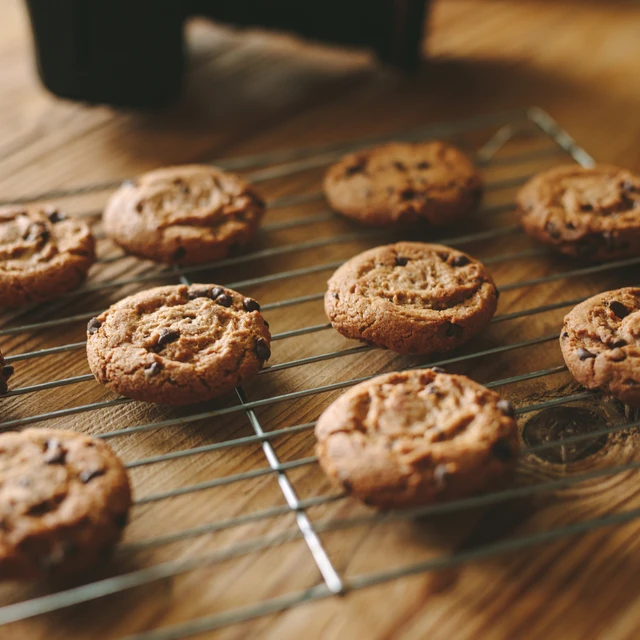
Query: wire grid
x,y
506,126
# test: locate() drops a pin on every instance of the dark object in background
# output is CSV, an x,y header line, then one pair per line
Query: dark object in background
x,y
132,52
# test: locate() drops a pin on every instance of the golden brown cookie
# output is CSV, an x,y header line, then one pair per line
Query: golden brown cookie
x,y
64,500
187,214
178,344
591,213
6,371
600,343
415,437
43,253
401,183
411,297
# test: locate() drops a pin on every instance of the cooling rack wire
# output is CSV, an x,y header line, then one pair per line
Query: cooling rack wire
x,y
514,143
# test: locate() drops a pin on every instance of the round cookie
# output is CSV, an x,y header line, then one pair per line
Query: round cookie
x,y
591,213
401,183
600,343
178,344
415,437
6,371
64,500
187,214
43,254
411,297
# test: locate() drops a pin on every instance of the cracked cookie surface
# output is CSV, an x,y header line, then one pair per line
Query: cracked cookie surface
x,y
600,343
64,500
591,213
401,183
43,253
415,437
6,371
411,297
178,344
187,214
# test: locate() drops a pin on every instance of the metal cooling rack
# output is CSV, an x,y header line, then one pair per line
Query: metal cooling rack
x,y
551,144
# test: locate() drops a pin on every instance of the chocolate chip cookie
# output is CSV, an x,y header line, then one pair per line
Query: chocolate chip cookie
x,y
6,371
64,500
591,213
187,214
415,437
43,253
411,297
600,342
401,183
178,344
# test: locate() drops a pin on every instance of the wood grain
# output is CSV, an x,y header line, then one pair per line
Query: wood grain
x,y
579,61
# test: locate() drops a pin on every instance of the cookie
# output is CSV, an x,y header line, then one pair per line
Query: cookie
x,y
590,213
401,183
187,214
411,297
64,500
600,343
178,344
416,437
6,371
43,253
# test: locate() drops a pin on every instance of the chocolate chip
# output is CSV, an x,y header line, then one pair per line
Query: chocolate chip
x,y
37,233
198,293
248,304
585,206
358,167
443,256
40,508
585,354
570,225
619,310
179,253
262,349
216,291
140,206
408,194
619,343
552,230
454,330
629,187
335,295
167,336
93,326
152,369
440,475
401,261
502,450
7,371
55,216
564,335
506,407
54,452
266,324
423,165
399,166
460,261
438,370
225,300
89,474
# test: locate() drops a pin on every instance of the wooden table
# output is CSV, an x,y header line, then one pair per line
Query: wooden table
x,y
577,60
